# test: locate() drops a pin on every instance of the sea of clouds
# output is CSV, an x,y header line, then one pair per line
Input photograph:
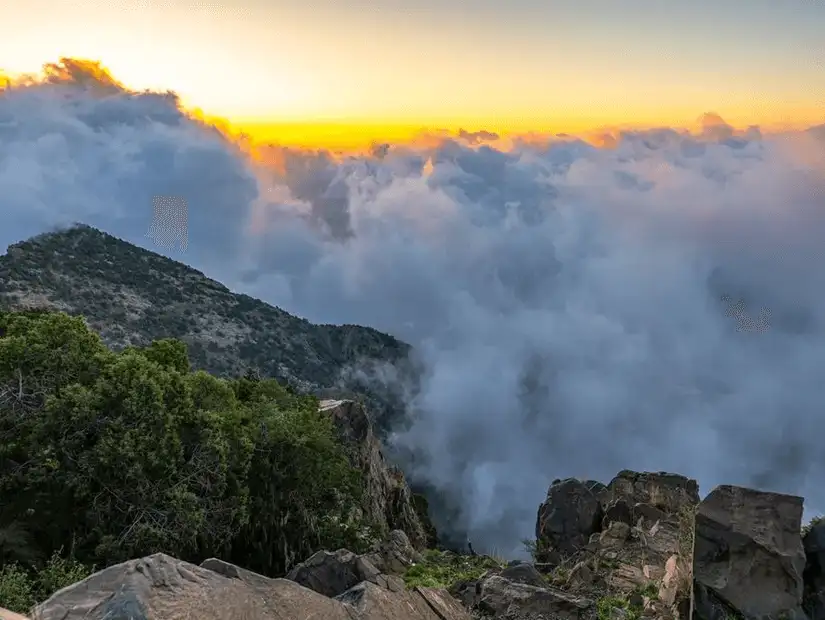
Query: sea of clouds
x,y
564,299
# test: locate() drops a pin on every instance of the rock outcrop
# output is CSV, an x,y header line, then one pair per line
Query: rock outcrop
x,y
749,556
628,540
332,574
571,513
641,547
389,501
160,587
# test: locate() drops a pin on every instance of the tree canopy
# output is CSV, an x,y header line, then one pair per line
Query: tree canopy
x,y
107,456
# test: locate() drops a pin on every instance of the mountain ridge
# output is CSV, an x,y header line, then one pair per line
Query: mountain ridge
x,y
131,295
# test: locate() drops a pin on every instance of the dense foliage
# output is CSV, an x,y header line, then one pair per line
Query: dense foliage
x,y
107,456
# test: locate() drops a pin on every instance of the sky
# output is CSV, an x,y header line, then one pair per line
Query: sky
x,y
565,300
323,69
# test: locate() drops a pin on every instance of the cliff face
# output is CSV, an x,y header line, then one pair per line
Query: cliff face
x,y
389,500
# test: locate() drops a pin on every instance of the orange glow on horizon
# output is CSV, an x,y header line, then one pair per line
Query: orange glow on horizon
x,y
357,134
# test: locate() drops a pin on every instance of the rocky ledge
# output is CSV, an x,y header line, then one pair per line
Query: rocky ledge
x,y
642,546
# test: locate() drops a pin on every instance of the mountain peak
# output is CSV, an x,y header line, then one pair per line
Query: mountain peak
x,y
132,296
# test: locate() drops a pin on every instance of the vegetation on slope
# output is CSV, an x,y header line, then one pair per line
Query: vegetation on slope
x,y
132,296
444,569
107,456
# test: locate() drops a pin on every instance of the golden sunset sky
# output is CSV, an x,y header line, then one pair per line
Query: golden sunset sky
x,y
328,70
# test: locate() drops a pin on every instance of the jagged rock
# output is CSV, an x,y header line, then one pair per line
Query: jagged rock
x,y
395,554
617,510
615,535
748,554
569,515
372,602
389,500
668,492
505,598
467,591
669,581
814,574
647,513
159,587
630,536
580,576
332,574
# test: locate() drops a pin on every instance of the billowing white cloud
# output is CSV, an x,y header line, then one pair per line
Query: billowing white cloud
x,y
565,300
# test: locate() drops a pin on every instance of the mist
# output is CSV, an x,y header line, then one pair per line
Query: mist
x,y
565,300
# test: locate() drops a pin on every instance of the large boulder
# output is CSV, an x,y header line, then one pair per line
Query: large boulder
x,y
570,514
667,492
389,501
159,587
369,601
504,598
748,555
332,574
395,554
814,574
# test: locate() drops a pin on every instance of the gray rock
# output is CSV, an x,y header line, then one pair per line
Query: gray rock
x,y
505,598
667,492
569,515
748,553
332,574
524,573
159,587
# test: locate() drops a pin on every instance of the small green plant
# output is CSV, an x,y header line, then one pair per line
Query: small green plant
x,y
815,521
443,569
20,589
58,573
650,590
559,575
529,546
605,608
536,548
16,589
687,537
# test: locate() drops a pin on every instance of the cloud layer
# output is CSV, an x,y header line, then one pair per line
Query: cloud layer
x,y
566,300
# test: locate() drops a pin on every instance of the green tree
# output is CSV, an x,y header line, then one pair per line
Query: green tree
x,y
117,455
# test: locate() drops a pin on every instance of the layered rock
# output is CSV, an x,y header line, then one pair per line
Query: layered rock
x,y
389,502
631,539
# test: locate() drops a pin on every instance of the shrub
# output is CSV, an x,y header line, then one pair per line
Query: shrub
x,y
131,453
444,569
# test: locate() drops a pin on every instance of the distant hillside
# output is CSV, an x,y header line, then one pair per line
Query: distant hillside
x,y
132,296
